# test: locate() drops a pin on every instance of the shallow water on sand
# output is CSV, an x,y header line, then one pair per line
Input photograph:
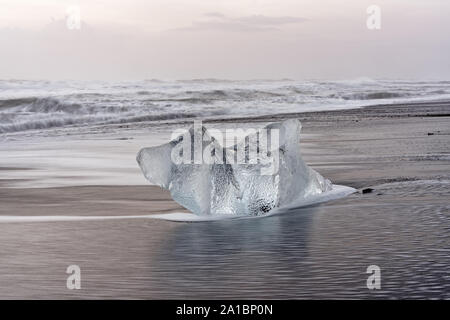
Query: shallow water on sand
x,y
316,252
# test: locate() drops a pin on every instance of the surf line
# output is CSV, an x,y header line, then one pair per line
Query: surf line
x,y
12,219
336,193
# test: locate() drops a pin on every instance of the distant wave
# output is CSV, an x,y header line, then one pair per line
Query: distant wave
x,y
98,120
159,117
43,105
11,103
215,80
38,105
24,114
45,113
40,124
207,96
374,96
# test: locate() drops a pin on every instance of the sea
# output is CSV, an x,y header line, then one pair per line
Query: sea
x,y
27,105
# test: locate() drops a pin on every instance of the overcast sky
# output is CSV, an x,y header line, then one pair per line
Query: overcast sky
x,y
233,39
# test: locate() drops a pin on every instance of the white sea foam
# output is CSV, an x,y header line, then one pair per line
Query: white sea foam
x,y
31,105
337,192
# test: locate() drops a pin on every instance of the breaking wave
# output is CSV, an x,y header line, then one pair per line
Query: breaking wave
x,y
374,96
37,105
45,113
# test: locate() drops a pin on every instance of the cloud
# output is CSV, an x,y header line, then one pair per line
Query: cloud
x,y
261,20
215,14
219,21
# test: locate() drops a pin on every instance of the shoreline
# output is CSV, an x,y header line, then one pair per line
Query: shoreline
x,y
320,251
356,147
122,131
396,110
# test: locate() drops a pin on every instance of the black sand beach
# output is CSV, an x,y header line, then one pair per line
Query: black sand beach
x,y
401,152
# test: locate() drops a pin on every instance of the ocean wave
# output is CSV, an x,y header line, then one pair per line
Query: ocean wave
x,y
51,105
55,122
157,117
47,123
40,105
27,105
190,100
209,96
374,95
11,103
34,125
34,113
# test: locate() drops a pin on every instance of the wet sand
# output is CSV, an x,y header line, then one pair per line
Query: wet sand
x,y
318,252
86,200
358,148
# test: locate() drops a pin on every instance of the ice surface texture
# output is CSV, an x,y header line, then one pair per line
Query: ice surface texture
x,y
226,186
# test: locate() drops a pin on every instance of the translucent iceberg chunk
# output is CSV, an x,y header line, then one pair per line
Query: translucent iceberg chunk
x,y
230,181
